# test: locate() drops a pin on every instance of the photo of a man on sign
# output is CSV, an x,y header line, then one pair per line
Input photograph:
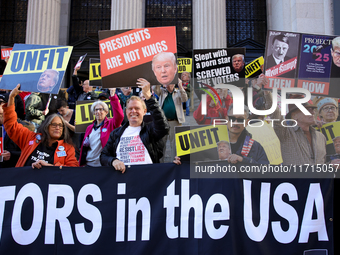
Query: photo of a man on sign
x,y
280,48
164,66
47,81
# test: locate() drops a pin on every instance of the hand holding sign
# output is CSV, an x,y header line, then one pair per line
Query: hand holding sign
x,y
145,86
13,94
112,91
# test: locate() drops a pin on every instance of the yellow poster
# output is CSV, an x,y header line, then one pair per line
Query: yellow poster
x,y
266,136
84,116
200,139
254,68
184,65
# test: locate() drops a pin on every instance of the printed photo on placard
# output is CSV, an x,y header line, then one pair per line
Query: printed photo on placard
x,y
281,59
219,66
38,68
149,53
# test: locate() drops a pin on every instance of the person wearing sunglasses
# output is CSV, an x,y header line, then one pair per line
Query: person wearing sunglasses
x,y
50,146
244,149
97,134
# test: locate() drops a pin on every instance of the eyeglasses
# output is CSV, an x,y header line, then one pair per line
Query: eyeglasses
x,y
99,110
234,119
329,108
55,125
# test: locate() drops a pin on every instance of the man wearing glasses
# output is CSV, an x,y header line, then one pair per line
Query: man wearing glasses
x,y
244,149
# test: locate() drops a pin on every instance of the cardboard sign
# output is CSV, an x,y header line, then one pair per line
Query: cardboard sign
x,y
265,135
38,68
80,61
307,61
330,130
184,65
5,52
200,141
84,116
95,77
127,55
254,68
215,66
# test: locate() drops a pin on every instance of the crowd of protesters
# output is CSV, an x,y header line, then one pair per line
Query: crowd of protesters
x,y
39,129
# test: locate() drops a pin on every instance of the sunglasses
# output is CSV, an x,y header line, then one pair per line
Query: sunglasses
x,y
234,119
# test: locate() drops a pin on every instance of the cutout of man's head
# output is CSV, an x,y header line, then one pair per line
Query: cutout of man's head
x,y
238,62
164,67
223,149
48,80
335,51
280,47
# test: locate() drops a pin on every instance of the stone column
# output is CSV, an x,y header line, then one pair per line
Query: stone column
x,y
209,24
127,14
43,22
312,16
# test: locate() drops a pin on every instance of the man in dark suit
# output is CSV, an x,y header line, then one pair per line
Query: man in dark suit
x,y
280,48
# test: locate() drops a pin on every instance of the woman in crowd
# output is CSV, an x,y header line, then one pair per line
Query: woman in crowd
x,y
98,133
328,110
51,146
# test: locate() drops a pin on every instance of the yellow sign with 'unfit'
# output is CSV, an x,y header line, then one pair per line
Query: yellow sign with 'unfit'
x,y
253,69
38,60
95,72
200,139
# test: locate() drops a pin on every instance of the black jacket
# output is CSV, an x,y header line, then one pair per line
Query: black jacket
x,y
151,135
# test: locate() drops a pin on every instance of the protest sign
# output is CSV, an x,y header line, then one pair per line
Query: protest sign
x,y
200,141
84,116
6,52
38,68
215,66
264,133
95,77
161,210
184,65
126,55
330,130
80,61
254,68
302,61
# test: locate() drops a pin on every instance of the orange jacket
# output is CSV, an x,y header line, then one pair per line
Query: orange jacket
x,y
27,140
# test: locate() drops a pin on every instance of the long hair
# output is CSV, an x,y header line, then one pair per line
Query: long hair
x,y
45,135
